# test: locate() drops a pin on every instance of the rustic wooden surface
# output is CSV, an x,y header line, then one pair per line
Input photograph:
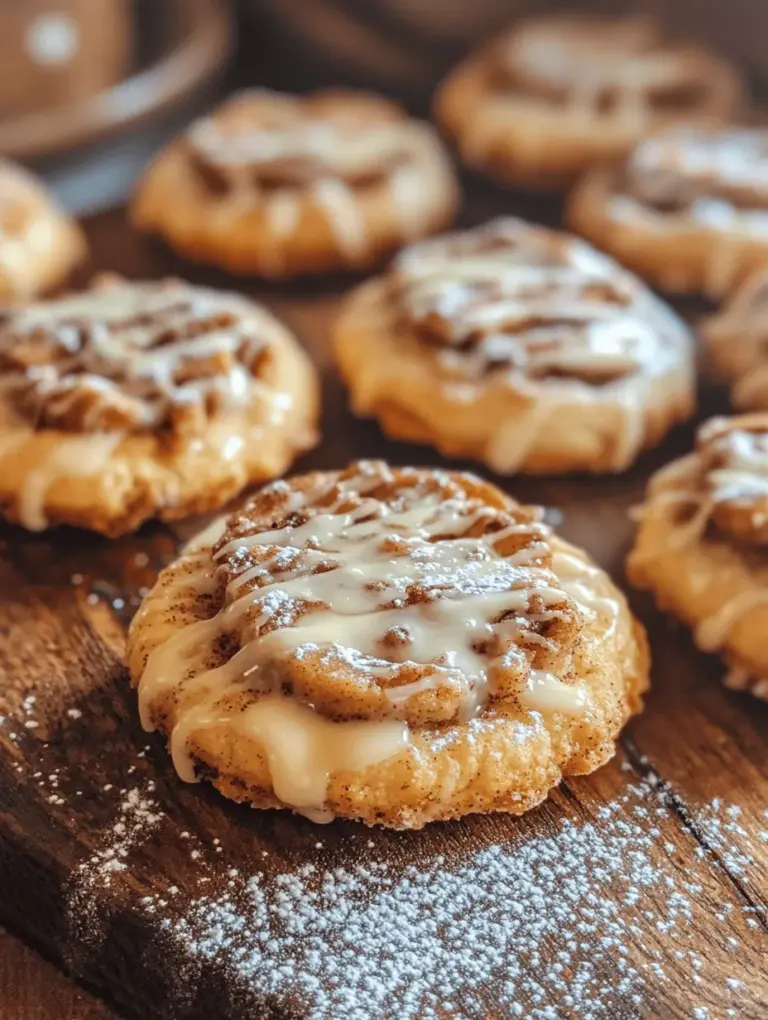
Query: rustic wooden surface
x,y
698,756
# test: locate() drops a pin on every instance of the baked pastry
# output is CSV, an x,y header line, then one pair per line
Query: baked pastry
x,y
138,400
688,210
519,346
278,185
39,243
395,645
555,96
737,343
702,545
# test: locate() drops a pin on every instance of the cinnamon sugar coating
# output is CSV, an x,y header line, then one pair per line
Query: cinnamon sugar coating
x,y
421,618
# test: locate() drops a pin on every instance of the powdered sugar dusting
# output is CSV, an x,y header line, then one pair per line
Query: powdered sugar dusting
x,y
544,919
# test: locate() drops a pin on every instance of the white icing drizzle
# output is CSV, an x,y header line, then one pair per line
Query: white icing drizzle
x,y
729,470
138,348
730,467
284,150
356,614
345,216
715,177
577,62
712,633
543,315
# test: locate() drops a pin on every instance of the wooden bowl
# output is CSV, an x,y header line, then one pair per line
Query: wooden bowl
x,y
179,44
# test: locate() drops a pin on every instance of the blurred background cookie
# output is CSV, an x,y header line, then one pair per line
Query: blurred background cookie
x,y
39,243
554,96
688,210
277,185
701,542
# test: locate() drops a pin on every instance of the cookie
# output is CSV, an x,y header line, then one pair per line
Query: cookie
x,y
737,343
517,346
137,400
702,545
555,96
277,185
688,210
394,645
39,243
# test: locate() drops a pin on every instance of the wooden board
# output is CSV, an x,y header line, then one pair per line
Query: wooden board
x,y
638,892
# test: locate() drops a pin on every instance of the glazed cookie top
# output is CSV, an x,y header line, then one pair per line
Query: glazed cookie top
x,y
397,597
130,357
715,176
515,301
720,491
266,140
624,68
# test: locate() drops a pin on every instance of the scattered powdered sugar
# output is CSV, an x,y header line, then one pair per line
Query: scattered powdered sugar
x,y
544,918
138,813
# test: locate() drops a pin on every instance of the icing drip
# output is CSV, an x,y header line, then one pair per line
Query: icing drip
x,y
344,216
76,457
304,750
724,484
725,481
412,605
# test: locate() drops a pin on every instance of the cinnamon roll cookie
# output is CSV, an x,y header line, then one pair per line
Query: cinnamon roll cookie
x,y
737,343
688,210
395,645
518,346
702,544
39,243
278,185
138,400
554,96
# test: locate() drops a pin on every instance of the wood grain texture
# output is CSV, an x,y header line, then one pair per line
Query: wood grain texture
x,y
683,805
32,989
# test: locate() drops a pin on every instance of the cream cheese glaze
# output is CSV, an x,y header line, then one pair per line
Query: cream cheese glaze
x,y
361,606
